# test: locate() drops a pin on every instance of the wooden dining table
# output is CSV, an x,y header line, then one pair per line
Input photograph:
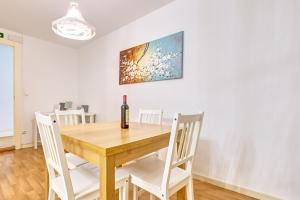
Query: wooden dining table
x,y
108,146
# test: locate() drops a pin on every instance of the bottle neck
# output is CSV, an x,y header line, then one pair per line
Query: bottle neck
x,y
124,99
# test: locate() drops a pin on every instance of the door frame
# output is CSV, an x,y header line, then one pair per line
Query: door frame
x,y
18,90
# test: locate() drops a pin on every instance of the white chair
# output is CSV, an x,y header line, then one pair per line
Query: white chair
x,y
162,179
150,116
78,183
71,118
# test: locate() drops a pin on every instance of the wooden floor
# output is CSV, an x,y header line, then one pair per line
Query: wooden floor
x,y
22,177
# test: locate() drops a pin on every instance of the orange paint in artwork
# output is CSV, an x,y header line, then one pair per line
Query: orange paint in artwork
x,y
130,57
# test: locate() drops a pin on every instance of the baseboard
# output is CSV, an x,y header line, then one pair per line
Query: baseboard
x,y
7,141
30,145
23,146
234,188
4,149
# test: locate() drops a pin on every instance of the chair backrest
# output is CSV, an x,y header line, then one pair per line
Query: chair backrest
x,y
69,117
150,116
53,151
183,143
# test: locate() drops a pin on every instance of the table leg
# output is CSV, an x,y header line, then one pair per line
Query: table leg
x,y
107,178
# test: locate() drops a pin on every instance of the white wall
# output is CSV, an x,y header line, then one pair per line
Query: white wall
x,y
241,66
50,75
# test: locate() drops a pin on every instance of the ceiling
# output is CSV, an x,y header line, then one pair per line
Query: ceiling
x,y
34,17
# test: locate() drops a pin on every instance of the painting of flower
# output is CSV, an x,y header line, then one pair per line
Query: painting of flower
x,y
158,60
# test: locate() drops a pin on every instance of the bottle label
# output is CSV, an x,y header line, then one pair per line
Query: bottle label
x,y
127,117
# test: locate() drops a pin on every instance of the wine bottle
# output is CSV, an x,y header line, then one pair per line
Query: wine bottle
x,y
124,113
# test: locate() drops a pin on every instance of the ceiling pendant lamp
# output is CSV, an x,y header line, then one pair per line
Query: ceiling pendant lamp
x,y
73,25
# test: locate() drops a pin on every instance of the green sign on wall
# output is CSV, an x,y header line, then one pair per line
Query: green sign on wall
x,y
1,35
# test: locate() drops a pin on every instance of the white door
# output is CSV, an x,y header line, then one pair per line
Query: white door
x,y
6,95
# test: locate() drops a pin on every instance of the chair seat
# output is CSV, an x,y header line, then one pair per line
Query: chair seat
x,y
148,173
85,181
74,161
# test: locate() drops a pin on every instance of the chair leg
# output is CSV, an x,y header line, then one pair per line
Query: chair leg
x,y
125,192
51,194
190,190
135,192
121,191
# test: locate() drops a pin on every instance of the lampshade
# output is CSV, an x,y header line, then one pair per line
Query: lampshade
x,y
73,25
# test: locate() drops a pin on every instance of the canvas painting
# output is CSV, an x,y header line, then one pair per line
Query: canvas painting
x,y
158,60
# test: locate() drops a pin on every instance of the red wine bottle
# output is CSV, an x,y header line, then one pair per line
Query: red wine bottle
x,y
124,113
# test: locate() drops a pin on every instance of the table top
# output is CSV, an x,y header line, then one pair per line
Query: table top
x,y
109,138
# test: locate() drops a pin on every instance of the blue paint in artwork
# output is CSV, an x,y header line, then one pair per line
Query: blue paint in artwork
x,y
164,48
